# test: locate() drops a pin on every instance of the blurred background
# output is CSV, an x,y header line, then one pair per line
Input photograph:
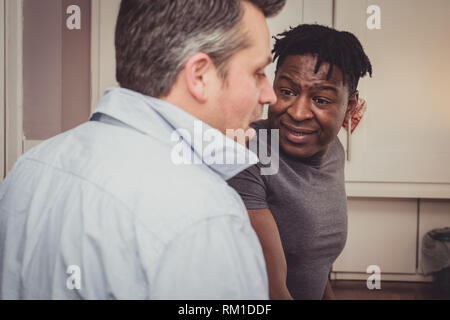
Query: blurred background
x,y
57,58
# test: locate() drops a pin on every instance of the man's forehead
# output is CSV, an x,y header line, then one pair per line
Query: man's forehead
x,y
303,66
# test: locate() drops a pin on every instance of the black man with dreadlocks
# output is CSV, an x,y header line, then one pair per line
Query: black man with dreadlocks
x,y
303,208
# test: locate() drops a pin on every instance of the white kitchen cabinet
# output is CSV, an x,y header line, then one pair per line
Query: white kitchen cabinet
x,y
381,232
388,233
402,146
434,214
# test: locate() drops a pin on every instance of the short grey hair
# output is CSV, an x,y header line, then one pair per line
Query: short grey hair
x,y
155,38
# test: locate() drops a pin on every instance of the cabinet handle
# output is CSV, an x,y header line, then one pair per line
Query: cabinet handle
x,y
349,137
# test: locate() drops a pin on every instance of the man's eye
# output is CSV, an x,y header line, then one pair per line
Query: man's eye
x,y
261,75
287,92
321,101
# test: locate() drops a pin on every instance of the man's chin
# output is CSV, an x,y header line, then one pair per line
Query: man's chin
x,y
295,151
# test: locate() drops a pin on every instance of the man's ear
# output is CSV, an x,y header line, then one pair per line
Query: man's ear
x,y
196,75
351,105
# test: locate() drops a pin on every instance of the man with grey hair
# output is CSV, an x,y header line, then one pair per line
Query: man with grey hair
x,y
102,211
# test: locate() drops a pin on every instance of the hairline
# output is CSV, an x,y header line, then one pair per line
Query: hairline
x,y
346,83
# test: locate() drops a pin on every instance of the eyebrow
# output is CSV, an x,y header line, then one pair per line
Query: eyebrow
x,y
324,87
315,86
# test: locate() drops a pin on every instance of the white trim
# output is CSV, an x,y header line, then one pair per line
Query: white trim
x,y
398,190
14,81
28,144
95,53
2,88
103,64
384,277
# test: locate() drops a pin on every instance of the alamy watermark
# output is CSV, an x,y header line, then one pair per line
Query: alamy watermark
x,y
73,22
374,280
73,282
374,20
217,148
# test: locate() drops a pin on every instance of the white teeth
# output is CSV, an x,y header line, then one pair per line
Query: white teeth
x,y
297,133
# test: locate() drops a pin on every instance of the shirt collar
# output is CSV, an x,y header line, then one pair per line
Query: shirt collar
x,y
159,119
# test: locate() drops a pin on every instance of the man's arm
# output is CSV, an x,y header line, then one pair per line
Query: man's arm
x,y
266,229
216,258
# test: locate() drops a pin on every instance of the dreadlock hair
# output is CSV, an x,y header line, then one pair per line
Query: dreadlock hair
x,y
339,48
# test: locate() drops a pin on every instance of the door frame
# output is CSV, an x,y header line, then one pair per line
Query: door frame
x,y
13,100
95,53
2,89
103,60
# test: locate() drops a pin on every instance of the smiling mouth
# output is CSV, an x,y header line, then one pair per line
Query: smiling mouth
x,y
298,136
298,131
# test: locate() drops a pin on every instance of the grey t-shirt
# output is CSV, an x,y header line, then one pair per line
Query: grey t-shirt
x,y
309,204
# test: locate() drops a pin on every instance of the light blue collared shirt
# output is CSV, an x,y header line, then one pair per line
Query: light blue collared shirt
x,y
102,211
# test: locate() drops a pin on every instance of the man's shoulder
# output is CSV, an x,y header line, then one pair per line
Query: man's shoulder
x,y
137,170
94,148
337,152
338,145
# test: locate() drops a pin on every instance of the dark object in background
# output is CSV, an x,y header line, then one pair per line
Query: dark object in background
x,y
440,234
436,256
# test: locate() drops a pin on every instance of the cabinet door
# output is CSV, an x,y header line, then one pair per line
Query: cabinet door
x,y
434,214
402,145
381,232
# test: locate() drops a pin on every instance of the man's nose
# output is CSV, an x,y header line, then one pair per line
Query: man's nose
x,y
267,95
301,109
